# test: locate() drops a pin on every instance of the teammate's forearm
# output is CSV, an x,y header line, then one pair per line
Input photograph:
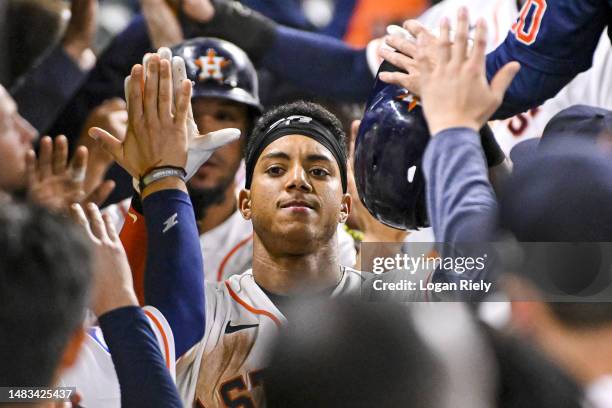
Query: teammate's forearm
x,y
46,88
319,64
316,63
460,200
144,380
174,282
106,79
553,42
529,89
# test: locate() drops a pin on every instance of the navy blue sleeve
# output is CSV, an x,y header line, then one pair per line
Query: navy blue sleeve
x,y
47,87
174,281
343,13
286,12
320,64
106,79
554,41
144,380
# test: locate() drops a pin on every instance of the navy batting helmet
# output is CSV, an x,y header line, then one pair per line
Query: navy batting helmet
x,y
219,69
388,152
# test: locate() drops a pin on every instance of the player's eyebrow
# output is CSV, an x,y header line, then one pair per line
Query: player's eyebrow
x,y
276,155
318,157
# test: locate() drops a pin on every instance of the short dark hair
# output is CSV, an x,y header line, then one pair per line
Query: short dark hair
x,y
45,274
304,108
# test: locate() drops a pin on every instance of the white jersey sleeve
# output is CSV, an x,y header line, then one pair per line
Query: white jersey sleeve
x,y
118,212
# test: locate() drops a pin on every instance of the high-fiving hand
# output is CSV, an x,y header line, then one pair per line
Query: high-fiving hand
x,y
454,89
55,183
201,147
160,120
155,137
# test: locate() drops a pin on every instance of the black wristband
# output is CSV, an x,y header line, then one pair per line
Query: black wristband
x,y
248,29
158,173
136,203
493,152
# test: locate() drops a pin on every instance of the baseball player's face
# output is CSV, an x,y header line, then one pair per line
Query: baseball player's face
x,y
16,137
296,199
212,114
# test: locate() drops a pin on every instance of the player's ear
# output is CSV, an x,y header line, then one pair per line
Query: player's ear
x,y
345,208
244,203
71,352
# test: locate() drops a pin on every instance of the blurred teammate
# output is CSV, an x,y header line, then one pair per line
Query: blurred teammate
x,y
50,274
16,140
46,277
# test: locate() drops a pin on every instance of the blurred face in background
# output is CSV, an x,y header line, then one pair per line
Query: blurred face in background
x,y
211,114
16,137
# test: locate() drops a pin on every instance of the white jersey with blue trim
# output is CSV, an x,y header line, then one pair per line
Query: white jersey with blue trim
x,y
94,374
225,367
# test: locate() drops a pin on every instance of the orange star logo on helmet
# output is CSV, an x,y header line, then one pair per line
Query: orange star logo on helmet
x,y
211,66
410,99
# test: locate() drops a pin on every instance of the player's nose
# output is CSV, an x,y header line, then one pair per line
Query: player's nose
x,y
298,179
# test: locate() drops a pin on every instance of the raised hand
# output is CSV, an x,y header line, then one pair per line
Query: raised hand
x,y
201,11
112,275
200,147
80,33
54,182
155,137
404,41
454,89
111,116
162,23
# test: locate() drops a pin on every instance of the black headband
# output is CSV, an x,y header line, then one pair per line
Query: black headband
x,y
297,125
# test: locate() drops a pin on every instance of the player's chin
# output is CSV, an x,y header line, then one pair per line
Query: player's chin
x,y
296,241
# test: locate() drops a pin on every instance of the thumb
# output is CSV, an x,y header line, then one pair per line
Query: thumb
x,y
109,142
214,140
503,78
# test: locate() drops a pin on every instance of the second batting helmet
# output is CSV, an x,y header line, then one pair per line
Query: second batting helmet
x,y
220,69
388,152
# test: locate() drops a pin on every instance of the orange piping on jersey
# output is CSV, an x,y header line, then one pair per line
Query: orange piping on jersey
x,y
251,308
229,255
163,334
